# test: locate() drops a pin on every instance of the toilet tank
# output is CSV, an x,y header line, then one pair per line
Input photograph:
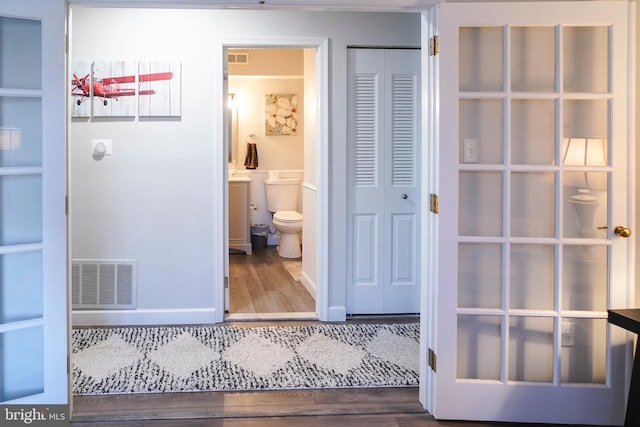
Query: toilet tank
x,y
282,194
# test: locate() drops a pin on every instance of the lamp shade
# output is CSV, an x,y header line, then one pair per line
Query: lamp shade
x,y
586,152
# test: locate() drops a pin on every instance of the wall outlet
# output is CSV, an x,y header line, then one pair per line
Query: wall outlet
x,y
470,150
568,334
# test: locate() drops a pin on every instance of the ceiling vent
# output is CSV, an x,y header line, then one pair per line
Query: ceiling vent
x,y
238,58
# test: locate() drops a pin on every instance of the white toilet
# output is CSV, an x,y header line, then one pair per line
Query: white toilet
x,y
282,202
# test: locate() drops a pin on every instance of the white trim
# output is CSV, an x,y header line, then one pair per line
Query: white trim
x,y
325,5
192,316
257,317
429,249
322,163
308,284
337,313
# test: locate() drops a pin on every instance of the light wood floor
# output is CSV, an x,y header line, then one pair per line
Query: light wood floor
x,y
259,283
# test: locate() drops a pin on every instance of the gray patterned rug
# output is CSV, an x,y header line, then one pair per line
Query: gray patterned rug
x,y
230,358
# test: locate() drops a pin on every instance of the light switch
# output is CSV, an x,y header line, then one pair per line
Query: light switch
x,y
101,147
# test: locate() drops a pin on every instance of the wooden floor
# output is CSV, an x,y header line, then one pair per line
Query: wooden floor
x,y
259,283
392,407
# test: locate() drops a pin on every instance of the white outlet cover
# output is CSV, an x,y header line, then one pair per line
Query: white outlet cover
x,y
470,150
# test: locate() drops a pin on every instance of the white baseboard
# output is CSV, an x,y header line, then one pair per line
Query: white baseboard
x,y
309,284
195,316
337,314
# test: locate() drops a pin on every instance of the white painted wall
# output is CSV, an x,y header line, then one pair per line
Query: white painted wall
x,y
154,199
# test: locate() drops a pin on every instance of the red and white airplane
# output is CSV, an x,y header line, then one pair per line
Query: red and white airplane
x,y
110,87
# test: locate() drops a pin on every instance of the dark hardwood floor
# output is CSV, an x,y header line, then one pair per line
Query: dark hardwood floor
x,y
259,283
392,407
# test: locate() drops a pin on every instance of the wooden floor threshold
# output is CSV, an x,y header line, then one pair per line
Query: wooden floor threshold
x,y
230,405
270,317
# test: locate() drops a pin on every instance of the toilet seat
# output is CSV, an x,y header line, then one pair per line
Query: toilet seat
x,y
287,216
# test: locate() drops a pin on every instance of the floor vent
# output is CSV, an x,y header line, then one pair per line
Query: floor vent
x,y
103,284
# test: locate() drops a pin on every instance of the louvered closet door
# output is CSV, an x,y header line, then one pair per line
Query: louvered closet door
x,y
383,185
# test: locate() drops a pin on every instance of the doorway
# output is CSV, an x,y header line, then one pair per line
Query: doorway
x,y
261,281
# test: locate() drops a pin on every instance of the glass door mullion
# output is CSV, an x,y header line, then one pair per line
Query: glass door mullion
x,y
12,171
506,206
15,326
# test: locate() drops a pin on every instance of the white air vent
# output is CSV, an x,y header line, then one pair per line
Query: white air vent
x,y
103,284
238,58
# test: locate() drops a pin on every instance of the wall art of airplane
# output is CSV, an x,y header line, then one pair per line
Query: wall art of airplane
x,y
110,87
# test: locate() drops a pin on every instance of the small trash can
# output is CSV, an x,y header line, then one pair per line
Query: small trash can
x,y
259,234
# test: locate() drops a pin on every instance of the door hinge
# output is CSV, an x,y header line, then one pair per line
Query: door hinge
x,y
434,45
66,205
432,360
226,282
433,203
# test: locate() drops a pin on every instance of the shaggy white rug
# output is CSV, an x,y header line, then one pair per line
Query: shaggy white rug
x,y
226,358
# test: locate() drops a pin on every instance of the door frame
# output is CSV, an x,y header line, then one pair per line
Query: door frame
x,y
220,157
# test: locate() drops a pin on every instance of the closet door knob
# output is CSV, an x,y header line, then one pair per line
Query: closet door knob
x,y
404,196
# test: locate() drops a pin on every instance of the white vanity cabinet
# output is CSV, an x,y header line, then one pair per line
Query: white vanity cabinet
x,y
239,218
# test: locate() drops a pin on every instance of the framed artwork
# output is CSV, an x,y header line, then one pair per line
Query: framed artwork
x,y
114,89
80,89
125,88
281,114
159,89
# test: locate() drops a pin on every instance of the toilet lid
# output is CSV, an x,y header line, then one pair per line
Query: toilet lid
x,y
288,216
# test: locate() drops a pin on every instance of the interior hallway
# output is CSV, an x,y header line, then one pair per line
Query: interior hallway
x,y
259,283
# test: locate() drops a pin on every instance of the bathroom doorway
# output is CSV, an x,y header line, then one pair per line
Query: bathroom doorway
x,y
271,128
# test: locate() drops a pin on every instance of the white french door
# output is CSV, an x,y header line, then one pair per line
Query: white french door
x,y
33,289
384,185
533,179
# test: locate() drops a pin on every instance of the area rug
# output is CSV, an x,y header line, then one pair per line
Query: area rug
x,y
294,268
233,358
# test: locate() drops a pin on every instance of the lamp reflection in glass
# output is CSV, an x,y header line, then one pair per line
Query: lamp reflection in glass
x,y
10,138
232,104
585,152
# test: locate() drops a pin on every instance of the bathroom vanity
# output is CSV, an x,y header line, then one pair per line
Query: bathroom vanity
x,y
239,218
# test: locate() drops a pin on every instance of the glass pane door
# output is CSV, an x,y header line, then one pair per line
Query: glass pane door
x,y
538,189
33,343
21,325
534,167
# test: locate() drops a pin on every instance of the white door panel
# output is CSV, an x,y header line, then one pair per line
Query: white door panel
x,y
33,295
526,253
384,197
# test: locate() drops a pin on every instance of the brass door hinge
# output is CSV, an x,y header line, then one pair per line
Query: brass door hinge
x,y
433,203
434,45
432,360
